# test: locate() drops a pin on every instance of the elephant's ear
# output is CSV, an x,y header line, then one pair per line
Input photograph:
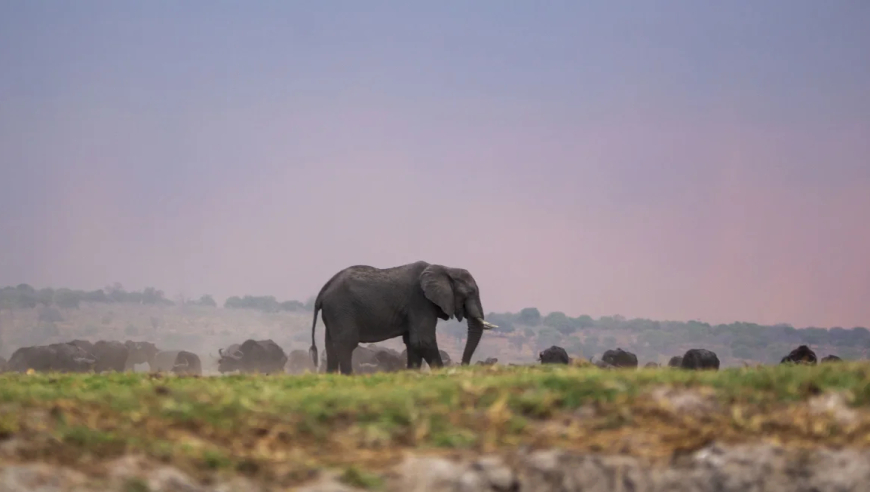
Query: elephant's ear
x,y
436,287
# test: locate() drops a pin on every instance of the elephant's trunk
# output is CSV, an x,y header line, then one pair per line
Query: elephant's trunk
x,y
475,331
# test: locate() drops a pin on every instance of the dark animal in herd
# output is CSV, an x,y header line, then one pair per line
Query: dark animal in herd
x,y
364,304
164,360
800,355
57,357
111,356
700,359
263,356
102,356
298,361
619,358
266,356
187,363
554,355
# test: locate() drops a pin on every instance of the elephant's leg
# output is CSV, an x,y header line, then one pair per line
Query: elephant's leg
x,y
415,358
422,342
344,353
331,358
433,357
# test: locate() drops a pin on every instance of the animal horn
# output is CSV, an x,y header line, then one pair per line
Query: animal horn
x,y
221,352
486,324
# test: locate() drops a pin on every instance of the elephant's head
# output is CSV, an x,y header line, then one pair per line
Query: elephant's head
x,y
455,293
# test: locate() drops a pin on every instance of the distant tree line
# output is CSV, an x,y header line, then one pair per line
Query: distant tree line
x,y
266,304
24,296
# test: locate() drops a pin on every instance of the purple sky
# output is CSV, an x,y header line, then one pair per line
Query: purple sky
x,y
671,160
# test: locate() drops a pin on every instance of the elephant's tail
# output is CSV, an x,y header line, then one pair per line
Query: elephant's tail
x,y
313,350
318,305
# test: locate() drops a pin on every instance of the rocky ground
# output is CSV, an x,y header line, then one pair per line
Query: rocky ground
x,y
714,468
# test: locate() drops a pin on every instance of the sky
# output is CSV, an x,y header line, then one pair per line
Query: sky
x,y
669,160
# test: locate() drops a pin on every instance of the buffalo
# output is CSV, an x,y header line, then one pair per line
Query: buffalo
x,y
83,344
601,364
57,357
372,359
831,358
554,355
700,359
111,356
299,361
264,356
164,361
800,355
490,361
676,361
187,363
651,364
619,358
389,360
141,353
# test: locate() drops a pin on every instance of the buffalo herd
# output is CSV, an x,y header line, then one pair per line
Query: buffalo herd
x,y
267,357
694,359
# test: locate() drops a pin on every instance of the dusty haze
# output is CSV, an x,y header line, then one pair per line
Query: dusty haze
x,y
669,160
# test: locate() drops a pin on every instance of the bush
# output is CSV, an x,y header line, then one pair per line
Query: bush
x,y
50,315
530,316
559,321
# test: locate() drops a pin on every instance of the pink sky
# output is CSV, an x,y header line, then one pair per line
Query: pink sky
x,y
715,170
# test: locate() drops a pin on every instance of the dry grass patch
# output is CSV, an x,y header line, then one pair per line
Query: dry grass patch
x,y
282,427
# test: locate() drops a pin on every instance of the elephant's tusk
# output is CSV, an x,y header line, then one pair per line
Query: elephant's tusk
x,y
486,324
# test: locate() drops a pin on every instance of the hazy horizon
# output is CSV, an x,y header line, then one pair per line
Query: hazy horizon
x,y
671,161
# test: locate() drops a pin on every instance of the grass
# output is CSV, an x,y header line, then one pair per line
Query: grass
x,y
282,427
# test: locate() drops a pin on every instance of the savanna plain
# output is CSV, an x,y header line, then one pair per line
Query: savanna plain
x,y
751,425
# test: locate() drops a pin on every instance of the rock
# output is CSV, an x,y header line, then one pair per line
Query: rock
x,y
495,474
157,477
686,401
327,484
168,479
237,484
552,470
489,473
419,474
715,468
834,404
40,477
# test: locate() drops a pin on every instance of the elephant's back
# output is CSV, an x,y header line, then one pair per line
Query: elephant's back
x,y
361,281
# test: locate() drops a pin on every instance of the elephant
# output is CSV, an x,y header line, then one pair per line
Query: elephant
x,y
365,304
